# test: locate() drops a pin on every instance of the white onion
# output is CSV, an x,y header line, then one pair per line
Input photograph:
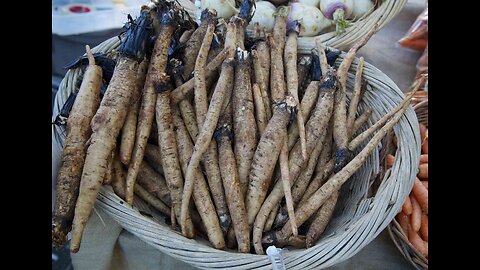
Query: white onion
x,y
312,21
360,7
224,8
264,15
313,3
328,7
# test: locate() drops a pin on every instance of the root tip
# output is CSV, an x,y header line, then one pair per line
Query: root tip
x,y
308,243
91,59
74,249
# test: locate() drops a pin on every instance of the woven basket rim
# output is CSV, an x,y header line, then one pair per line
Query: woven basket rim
x,y
400,239
387,199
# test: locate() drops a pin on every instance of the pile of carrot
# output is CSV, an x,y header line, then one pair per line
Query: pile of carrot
x,y
236,139
413,216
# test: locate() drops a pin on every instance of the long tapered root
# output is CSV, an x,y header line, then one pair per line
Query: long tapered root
x,y
286,186
265,158
354,143
91,59
321,220
335,182
73,156
106,125
352,110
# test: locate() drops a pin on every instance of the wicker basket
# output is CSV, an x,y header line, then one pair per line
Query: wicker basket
x,y
358,219
384,13
420,105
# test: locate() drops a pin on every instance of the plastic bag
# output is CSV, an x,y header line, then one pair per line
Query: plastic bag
x,y
422,63
422,68
417,36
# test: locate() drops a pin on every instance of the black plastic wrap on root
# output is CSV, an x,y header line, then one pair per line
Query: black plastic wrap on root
x,y
246,12
136,39
101,59
170,12
316,71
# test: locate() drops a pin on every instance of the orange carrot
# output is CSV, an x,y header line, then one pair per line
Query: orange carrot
x,y
423,132
417,242
407,206
425,147
425,183
424,227
423,170
390,159
423,158
416,216
402,219
420,192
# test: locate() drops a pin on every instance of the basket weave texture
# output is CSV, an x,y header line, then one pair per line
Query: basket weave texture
x,y
383,14
358,218
420,105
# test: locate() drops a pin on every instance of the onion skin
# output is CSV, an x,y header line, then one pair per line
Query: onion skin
x,y
313,3
312,20
328,12
264,15
224,8
359,8
338,11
